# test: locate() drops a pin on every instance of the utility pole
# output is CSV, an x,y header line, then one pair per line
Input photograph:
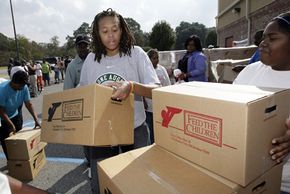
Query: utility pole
x,y
16,41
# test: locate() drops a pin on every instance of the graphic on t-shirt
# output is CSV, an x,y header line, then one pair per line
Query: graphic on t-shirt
x,y
109,77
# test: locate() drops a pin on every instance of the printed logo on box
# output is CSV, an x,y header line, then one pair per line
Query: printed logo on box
x,y
168,114
203,127
200,126
72,110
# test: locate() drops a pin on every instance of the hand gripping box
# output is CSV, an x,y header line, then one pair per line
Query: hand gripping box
x,y
87,116
24,144
224,128
152,169
27,169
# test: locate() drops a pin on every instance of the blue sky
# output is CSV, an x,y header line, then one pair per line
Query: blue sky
x,y
39,20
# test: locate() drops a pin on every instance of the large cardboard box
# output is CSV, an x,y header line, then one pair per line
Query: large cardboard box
x,y
28,169
225,128
87,116
24,144
155,170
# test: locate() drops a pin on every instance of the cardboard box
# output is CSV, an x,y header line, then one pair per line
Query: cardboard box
x,y
224,128
155,170
27,170
87,116
24,144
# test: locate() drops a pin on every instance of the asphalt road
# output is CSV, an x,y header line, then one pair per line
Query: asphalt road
x,y
64,171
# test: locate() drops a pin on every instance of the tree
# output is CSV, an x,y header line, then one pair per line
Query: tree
x,y
211,38
185,29
83,29
136,30
162,36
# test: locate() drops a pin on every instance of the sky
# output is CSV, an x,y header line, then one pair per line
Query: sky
x,y
40,20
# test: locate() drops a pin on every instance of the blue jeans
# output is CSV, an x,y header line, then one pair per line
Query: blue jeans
x,y
149,121
282,192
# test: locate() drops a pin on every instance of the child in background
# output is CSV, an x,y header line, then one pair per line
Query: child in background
x,y
164,80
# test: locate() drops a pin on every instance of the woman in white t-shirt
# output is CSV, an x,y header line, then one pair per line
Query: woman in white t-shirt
x,y
274,71
39,78
116,62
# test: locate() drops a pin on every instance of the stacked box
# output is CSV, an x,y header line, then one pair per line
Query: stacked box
x,y
87,116
224,128
154,170
26,155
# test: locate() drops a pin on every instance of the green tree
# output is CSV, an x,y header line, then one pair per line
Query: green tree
x,y
211,38
136,30
162,36
185,29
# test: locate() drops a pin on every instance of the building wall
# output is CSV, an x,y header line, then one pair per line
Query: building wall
x,y
259,18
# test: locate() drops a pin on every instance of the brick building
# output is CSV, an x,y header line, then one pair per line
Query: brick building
x,y
239,19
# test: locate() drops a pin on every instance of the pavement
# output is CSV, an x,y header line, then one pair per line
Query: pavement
x,y
65,171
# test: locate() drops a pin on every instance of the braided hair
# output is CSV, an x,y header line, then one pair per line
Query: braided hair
x,y
126,42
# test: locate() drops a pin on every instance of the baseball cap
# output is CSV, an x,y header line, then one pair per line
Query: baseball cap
x,y
82,38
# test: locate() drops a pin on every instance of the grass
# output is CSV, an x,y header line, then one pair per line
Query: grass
x,y
3,72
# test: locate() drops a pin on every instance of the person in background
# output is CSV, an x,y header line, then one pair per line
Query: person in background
x,y
258,38
39,78
13,94
46,70
9,185
182,63
73,71
10,65
115,56
197,62
32,78
56,70
66,62
274,71
16,67
164,80
61,67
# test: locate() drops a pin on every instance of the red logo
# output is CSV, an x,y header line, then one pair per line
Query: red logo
x,y
32,143
203,127
167,115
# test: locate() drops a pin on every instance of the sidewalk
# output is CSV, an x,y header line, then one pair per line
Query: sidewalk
x,y
65,171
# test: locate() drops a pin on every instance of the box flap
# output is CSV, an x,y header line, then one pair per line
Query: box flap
x,y
220,91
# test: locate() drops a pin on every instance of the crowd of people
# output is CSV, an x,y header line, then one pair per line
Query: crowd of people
x,y
39,72
112,51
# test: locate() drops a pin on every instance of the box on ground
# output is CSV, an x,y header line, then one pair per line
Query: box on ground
x,y
87,116
154,170
224,128
27,169
24,144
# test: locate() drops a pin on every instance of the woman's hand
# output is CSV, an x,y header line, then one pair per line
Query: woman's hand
x,y
121,90
281,145
37,124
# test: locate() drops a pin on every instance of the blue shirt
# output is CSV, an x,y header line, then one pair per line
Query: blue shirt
x,y
11,99
197,66
255,57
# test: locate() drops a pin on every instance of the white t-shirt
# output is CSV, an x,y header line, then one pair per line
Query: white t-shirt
x,y
38,71
164,80
136,68
4,185
258,74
